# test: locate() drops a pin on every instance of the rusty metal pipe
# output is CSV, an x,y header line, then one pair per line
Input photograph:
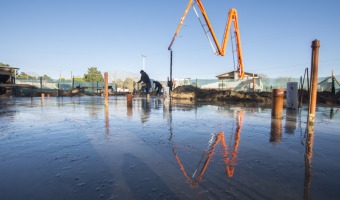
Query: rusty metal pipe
x,y
106,88
129,100
277,103
314,82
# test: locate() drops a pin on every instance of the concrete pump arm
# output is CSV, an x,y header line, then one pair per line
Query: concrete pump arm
x,y
232,17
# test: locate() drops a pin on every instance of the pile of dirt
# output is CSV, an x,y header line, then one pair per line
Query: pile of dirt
x,y
328,98
232,97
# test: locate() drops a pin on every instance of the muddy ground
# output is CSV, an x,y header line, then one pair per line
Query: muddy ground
x,y
261,98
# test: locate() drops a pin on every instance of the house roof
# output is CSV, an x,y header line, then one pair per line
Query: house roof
x,y
5,70
7,67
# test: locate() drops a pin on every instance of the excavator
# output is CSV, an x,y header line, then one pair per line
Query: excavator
x,y
229,159
232,17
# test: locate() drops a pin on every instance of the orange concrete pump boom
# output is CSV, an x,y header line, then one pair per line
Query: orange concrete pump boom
x,y
232,17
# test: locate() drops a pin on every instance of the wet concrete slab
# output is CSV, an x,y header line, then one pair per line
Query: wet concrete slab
x,y
79,148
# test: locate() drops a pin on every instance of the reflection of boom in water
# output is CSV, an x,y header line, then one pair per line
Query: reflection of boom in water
x,y
230,163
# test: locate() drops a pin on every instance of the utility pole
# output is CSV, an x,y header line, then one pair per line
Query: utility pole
x,y
333,83
143,58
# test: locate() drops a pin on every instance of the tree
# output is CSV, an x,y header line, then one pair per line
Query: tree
x,y
93,75
23,75
128,83
79,79
3,65
263,76
45,77
119,83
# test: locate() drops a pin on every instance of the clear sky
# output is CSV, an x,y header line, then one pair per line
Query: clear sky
x,y
67,37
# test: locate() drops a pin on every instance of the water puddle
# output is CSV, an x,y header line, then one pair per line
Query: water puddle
x,y
79,148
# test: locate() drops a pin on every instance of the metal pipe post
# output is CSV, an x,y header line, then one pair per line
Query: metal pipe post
x,y
129,100
106,87
277,103
314,82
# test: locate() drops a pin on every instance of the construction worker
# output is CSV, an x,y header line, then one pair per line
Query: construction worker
x,y
158,87
146,80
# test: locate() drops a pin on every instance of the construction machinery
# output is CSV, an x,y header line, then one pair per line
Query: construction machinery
x,y
232,17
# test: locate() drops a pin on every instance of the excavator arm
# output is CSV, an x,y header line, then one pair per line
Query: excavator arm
x,y
232,17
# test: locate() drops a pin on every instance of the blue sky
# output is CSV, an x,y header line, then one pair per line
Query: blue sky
x,y
69,36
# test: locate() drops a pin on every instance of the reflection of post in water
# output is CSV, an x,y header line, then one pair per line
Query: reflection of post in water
x,y
167,112
145,110
308,165
275,130
42,98
332,113
129,104
107,124
230,163
129,111
291,120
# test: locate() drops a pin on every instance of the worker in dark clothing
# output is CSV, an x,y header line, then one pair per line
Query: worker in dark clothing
x,y
146,80
158,87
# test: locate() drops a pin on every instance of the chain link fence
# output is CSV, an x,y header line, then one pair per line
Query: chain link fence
x,y
244,85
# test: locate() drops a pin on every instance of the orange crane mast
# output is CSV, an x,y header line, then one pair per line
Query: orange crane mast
x,y
232,17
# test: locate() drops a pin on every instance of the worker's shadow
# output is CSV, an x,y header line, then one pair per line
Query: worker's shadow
x,y
143,182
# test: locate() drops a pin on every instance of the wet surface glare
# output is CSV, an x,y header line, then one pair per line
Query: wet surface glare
x,y
79,148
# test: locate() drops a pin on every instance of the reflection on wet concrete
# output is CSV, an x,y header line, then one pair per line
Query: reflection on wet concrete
x,y
332,113
291,121
230,161
66,150
146,110
143,182
308,165
107,121
275,130
129,112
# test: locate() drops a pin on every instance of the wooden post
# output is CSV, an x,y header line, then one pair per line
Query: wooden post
x,y
106,88
313,84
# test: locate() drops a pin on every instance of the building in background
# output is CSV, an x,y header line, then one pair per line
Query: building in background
x,y
230,81
7,77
